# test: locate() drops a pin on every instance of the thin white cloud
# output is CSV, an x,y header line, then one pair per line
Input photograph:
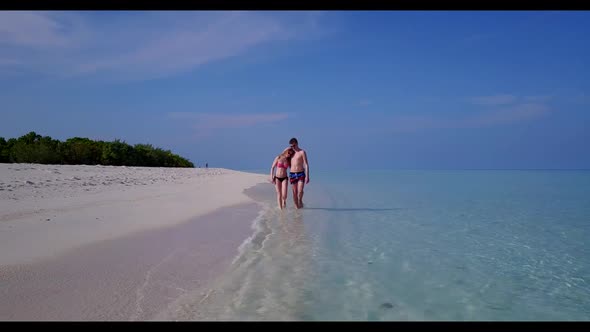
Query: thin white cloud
x,y
517,113
474,37
365,102
538,98
580,99
9,62
30,29
502,116
494,100
141,44
209,121
584,99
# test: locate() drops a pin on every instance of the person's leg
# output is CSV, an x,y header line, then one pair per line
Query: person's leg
x,y
278,189
300,185
284,191
295,194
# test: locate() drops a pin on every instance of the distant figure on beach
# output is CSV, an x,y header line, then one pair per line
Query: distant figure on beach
x,y
279,178
299,173
206,165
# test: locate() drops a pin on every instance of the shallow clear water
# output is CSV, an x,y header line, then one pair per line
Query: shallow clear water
x,y
414,245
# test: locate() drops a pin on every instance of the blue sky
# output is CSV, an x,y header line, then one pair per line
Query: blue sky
x,y
360,90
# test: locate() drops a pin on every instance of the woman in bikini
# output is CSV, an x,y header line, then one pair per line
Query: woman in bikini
x,y
280,177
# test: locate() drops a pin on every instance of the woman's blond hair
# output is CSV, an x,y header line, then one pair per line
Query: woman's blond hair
x,y
285,154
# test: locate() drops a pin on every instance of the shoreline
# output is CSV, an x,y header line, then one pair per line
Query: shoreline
x,y
120,252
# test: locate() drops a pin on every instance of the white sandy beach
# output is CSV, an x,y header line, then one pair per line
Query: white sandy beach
x,y
46,209
58,222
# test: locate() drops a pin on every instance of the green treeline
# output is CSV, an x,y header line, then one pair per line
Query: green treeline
x,y
33,148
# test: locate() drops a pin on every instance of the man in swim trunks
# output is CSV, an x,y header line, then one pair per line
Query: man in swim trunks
x,y
299,172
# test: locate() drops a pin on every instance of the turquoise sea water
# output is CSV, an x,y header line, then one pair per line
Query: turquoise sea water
x,y
413,245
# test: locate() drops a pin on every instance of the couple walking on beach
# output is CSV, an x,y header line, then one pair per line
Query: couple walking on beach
x,y
295,159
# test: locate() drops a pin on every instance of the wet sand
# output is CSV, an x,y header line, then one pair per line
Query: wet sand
x,y
129,278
